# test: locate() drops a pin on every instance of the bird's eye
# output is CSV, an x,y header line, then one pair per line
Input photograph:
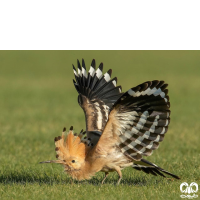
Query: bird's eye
x,y
73,161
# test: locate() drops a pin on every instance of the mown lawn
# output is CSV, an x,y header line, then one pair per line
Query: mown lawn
x,y
37,99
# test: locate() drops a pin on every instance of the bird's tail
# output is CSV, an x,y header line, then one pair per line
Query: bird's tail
x,y
151,168
95,85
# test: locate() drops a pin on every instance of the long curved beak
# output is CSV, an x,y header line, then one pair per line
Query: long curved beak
x,y
52,161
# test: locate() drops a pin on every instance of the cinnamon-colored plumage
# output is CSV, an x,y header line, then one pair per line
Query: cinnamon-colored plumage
x,y
121,128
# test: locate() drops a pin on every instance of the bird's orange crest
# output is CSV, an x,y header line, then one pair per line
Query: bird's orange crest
x,y
70,146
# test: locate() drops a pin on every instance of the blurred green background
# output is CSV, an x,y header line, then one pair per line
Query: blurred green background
x,y
37,99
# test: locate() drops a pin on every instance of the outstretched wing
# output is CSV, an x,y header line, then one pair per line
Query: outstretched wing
x,y
97,94
138,120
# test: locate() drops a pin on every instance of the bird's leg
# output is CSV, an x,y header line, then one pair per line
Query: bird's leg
x,y
72,181
120,177
106,174
117,169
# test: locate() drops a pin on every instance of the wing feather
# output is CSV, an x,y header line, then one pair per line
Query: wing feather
x,y
97,94
139,120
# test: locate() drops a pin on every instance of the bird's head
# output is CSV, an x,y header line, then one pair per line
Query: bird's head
x,y
70,151
73,164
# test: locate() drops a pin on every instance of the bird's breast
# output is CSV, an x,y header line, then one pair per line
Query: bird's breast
x,y
116,158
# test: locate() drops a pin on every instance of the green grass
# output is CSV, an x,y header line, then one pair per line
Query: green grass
x,y
37,99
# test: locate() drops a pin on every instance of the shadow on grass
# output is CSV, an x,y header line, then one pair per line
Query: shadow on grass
x,y
30,178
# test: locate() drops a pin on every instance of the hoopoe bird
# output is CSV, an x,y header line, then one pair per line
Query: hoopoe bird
x,y
121,128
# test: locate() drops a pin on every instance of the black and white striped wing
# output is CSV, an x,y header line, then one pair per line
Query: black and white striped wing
x,y
97,94
140,119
